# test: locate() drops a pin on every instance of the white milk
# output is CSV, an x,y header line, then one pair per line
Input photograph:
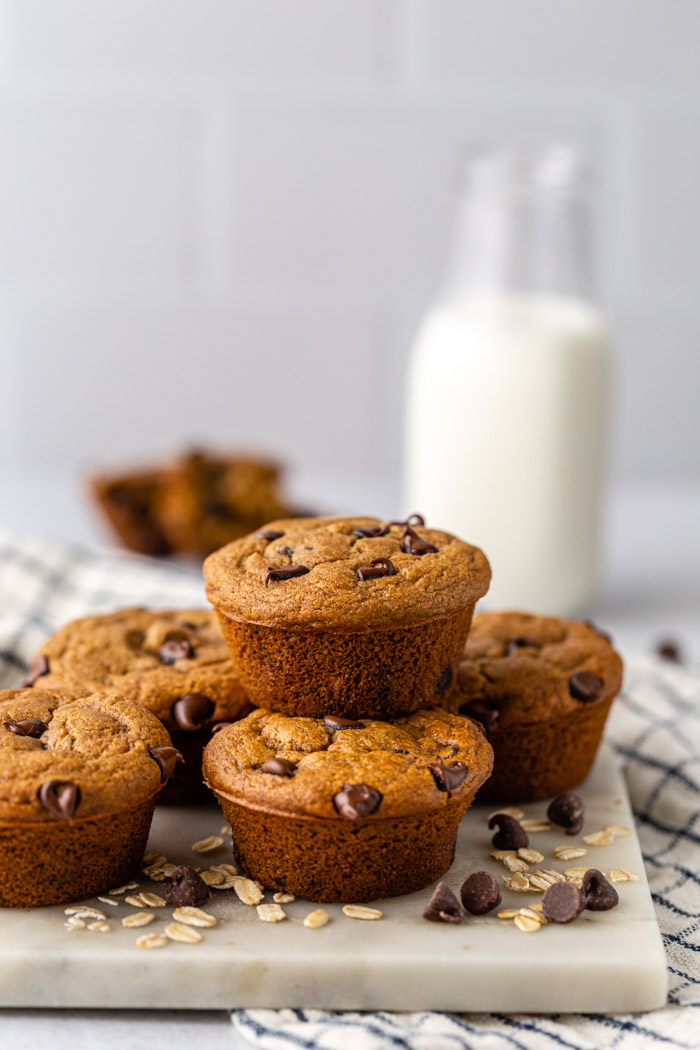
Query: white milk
x,y
506,411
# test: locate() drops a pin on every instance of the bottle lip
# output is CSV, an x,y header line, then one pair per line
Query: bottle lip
x,y
556,167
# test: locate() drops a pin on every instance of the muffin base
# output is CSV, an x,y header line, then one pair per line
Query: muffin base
x,y
534,761
376,673
57,862
336,860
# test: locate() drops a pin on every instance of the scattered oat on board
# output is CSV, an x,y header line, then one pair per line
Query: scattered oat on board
x,y
108,900
225,830
138,918
283,898
316,918
532,826
146,900
208,844
156,856
175,931
192,916
99,927
575,875
527,923
211,877
74,923
518,882
271,912
248,891
358,911
510,811
122,889
542,879
569,852
85,912
622,875
152,940
532,856
618,829
599,838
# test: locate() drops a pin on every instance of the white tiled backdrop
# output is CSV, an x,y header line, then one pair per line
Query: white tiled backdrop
x,y
222,218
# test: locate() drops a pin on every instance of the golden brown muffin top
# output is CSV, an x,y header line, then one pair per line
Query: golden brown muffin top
x,y
520,668
393,759
412,574
153,657
99,744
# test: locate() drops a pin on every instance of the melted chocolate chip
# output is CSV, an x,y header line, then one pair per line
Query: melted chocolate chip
x,y
278,767
520,642
218,726
448,777
510,834
445,680
287,572
336,722
27,727
443,906
175,649
376,569
357,800
192,711
286,552
165,757
188,889
37,669
480,893
562,902
586,686
371,534
481,712
400,751
567,811
60,798
669,650
269,535
413,544
412,519
598,894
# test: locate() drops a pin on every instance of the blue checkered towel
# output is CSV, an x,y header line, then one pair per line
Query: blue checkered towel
x,y
655,730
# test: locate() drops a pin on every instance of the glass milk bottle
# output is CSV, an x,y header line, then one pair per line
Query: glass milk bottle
x,y
507,386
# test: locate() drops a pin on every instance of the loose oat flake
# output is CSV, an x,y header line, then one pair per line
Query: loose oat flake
x,y
74,923
532,856
510,811
271,912
192,916
212,878
575,875
599,838
207,845
99,927
152,940
533,826
527,923
85,913
122,889
316,918
569,852
108,900
622,875
357,911
175,931
543,879
156,856
283,898
138,918
146,900
618,829
248,891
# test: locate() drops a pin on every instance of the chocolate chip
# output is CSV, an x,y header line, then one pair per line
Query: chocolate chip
x,y
586,686
192,711
598,894
278,767
27,727
286,552
520,642
166,757
480,893
287,572
481,712
412,519
269,535
357,800
669,650
443,906
510,834
400,751
336,722
598,630
445,680
37,669
567,811
60,798
371,534
376,569
562,902
218,726
175,649
413,544
448,778
188,889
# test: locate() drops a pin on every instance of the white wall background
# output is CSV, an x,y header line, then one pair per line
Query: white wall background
x,y
222,218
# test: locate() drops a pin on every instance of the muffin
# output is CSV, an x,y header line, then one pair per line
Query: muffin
x,y
174,663
353,616
542,688
128,501
78,783
336,810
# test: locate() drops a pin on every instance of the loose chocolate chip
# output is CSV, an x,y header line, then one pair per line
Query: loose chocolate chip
x,y
175,649
269,535
480,893
60,797
192,711
357,800
336,722
669,650
37,669
371,534
287,572
448,777
586,686
413,544
598,894
412,519
562,902
567,811
278,767
445,680
520,642
376,569
188,889
218,726
480,711
598,630
510,834
443,906
27,727
166,757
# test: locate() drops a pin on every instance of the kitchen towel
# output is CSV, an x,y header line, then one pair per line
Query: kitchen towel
x,y
655,730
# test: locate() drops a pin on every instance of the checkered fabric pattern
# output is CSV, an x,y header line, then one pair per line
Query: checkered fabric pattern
x,y
655,729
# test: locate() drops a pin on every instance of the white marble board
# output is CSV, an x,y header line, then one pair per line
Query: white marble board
x,y
603,962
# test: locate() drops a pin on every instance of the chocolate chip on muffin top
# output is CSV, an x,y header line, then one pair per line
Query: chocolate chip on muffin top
x,y
374,769
345,573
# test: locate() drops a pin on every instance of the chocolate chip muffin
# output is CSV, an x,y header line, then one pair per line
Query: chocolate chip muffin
x,y
175,663
129,502
344,810
354,616
78,783
542,688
